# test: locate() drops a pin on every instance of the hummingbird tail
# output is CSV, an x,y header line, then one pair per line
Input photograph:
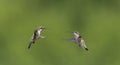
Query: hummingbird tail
x,y
33,42
86,49
29,45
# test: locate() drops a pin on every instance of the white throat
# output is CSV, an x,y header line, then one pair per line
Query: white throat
x,y
39,31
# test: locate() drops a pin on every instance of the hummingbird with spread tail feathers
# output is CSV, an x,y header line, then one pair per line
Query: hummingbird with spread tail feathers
x,y
79,40
36,35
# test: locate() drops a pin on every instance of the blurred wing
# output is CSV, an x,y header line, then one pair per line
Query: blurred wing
x,y
32,38
31,41
71,40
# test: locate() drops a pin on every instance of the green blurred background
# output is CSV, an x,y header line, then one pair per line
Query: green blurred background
x,y
98,21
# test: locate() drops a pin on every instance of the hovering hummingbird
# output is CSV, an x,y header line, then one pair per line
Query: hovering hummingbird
x,y
79,40
36,35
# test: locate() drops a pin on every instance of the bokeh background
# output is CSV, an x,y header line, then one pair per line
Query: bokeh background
x,y
98,21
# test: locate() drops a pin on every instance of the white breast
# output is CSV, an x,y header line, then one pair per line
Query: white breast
x,y
83,44
39,31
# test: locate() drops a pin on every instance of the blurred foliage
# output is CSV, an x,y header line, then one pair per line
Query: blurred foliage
x,y
98,21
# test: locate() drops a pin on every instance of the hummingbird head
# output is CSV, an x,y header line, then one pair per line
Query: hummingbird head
x,y
41,27
76,34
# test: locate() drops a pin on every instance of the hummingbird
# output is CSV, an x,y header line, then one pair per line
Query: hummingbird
x,y
36,35
79,40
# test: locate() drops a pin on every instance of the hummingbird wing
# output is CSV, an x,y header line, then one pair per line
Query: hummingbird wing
x,y
83,45
32,40
71,40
